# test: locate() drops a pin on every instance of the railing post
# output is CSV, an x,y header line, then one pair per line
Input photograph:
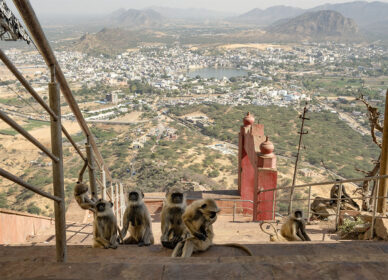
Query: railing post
x,y
234,210
374,208
92,177
112,193
58,181
122,204
309,205
273,204
338,206
383,190
103,179
117,201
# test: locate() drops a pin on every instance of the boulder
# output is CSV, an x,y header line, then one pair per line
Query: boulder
x,y
381,227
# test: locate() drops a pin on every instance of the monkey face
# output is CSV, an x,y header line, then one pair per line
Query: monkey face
x,y
177,198
135,196
210,210
212,214
102,205
298,214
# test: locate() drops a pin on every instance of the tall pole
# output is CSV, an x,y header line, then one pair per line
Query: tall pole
x,y
301,133
103,179
58,181
383,186
92,177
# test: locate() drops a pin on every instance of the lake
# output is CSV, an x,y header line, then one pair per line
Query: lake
x,y
217,73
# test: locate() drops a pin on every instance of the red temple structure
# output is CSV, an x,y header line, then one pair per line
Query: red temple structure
x,y
256,170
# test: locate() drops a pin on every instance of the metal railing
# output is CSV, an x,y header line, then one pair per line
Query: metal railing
x,y
339,200
54,110
234,207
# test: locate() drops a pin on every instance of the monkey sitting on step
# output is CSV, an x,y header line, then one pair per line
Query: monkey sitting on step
x,y
199,218
173,228
137,220
294,229
105,227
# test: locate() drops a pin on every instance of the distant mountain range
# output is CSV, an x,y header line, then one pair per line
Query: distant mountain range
x,y
132,18
364,13
191,13
372,17
320,25
352,21
267,16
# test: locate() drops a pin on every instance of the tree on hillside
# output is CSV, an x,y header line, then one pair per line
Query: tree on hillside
x,y
375,126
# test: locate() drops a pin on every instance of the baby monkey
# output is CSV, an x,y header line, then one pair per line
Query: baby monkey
x,y
81,195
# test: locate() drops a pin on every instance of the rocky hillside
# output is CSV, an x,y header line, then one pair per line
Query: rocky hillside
x,y
319,25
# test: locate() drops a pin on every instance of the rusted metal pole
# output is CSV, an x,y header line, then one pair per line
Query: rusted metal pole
x,y
92,177
25,83
22,183
383,189
273,204
301,133
339,200
58,181
309,205
28,136
234,210
374,210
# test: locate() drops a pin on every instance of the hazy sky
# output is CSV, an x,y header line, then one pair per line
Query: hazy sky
x,y
106,6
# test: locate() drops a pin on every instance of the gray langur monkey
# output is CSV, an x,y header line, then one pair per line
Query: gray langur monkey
x,y
81,192
199,218
105,229
294,229
173,228
334,193
81,195
137,221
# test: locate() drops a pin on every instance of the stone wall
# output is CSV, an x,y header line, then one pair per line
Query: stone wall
x,y
16,227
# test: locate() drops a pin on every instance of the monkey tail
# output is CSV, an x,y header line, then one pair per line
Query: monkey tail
x,y
236,245
270,234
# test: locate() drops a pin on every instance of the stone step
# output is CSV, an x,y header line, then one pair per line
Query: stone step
x,y
215,270
310,251
345,260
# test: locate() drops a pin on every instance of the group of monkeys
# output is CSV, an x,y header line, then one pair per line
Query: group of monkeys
x,y
185,229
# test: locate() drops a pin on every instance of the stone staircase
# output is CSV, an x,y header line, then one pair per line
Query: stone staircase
x,y
333,260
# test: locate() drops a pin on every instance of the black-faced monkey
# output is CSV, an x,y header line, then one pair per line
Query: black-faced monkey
x,y
137,221
294,229
105,229
173,228
199,218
